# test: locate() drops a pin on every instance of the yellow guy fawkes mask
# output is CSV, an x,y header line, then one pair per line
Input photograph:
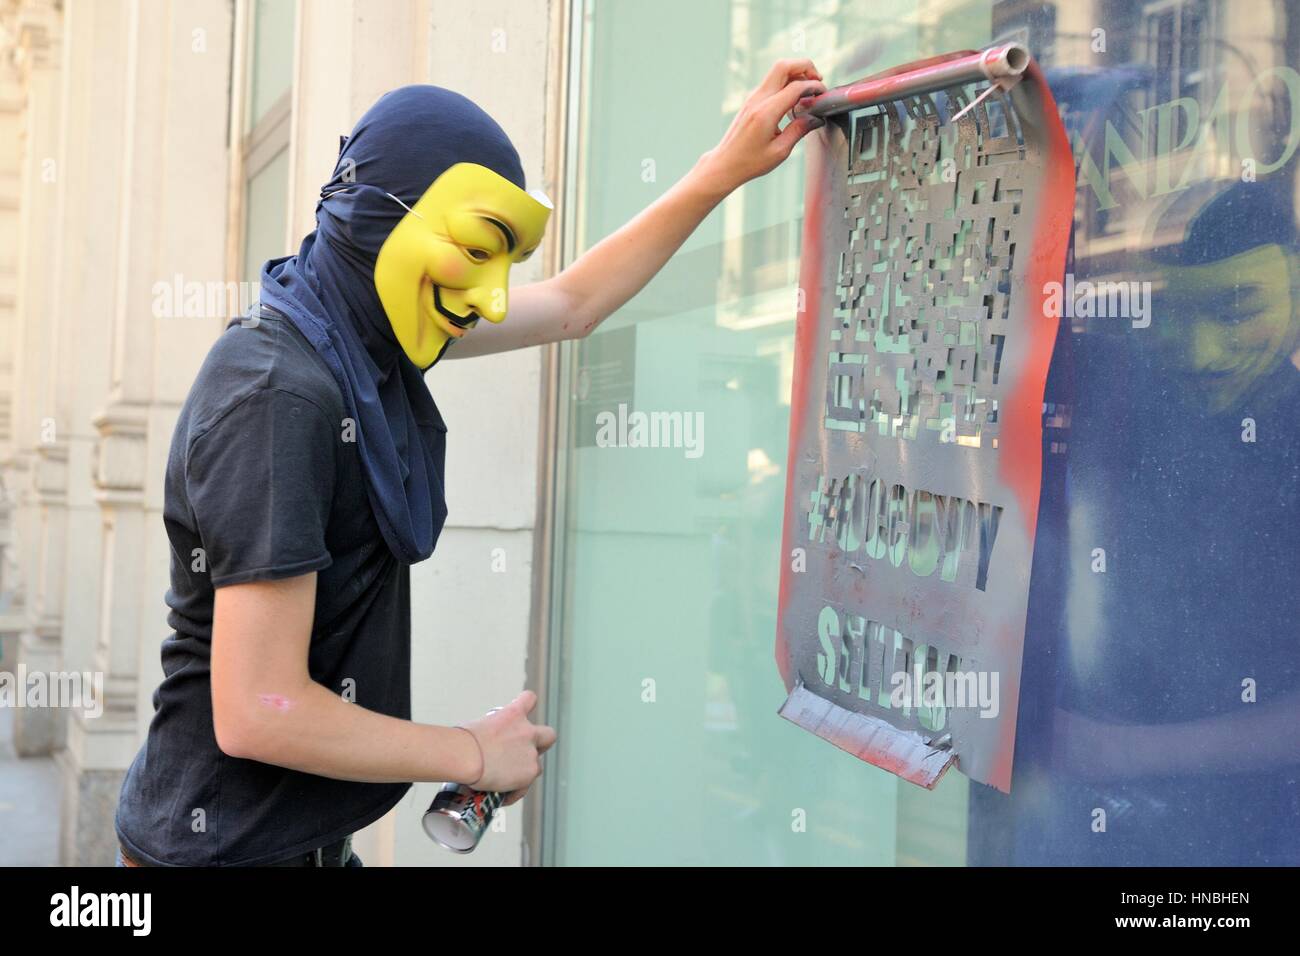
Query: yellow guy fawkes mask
x,y
447,262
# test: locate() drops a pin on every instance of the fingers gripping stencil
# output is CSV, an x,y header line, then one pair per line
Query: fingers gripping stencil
x,y
938,207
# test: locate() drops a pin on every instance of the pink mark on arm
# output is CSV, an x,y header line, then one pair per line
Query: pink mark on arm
x,y
276,701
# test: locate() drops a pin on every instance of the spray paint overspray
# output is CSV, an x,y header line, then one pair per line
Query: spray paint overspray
x,y
938,208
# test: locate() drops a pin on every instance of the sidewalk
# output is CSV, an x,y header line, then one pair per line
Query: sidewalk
x,y
29,804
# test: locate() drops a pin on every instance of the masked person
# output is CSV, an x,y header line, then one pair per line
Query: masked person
x,y
306,476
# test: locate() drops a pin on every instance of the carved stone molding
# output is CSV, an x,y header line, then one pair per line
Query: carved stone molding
x,y
34,31
119,456
50,475
13,587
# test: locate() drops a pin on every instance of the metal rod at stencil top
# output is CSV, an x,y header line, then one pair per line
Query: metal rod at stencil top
x,y
1006,61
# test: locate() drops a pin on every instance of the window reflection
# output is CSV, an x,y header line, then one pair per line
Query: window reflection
x,y
1165,575
1160,652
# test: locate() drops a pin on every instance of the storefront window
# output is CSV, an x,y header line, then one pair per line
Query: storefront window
x,y
271,64
1159,680
265,211
265,146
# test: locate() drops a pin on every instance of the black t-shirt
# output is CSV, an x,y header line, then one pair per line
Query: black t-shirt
x,y
264,480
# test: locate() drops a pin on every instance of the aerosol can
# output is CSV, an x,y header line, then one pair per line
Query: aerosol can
x,y
459,816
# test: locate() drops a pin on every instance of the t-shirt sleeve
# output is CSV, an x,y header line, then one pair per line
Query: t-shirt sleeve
x,y
260,483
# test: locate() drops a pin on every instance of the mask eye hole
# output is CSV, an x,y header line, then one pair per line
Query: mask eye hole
x,y
478,255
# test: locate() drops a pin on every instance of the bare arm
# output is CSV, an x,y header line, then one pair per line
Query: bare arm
x,y
267,708
572,303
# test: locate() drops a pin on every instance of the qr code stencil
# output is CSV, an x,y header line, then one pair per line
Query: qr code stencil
x,y
927,247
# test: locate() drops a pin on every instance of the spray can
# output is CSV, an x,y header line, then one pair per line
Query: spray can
x,y
459,816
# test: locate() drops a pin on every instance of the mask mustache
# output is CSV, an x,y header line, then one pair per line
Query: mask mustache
x,y
466,322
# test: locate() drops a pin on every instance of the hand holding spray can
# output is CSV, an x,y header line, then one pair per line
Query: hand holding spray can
x,y
459,814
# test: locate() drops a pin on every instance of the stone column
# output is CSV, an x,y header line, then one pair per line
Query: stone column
x,y
36,461
94,88
12,583
171,222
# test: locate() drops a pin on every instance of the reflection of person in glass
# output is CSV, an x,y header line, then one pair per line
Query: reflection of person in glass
x,y
1180,680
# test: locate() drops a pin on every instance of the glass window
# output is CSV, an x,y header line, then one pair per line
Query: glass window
x,y
271,64
265,143
1160,683
265,214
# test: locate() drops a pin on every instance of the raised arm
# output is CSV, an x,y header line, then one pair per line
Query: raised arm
x,y
572,303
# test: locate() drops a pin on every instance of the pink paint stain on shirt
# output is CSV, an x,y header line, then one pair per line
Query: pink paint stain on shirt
x,y
275,700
